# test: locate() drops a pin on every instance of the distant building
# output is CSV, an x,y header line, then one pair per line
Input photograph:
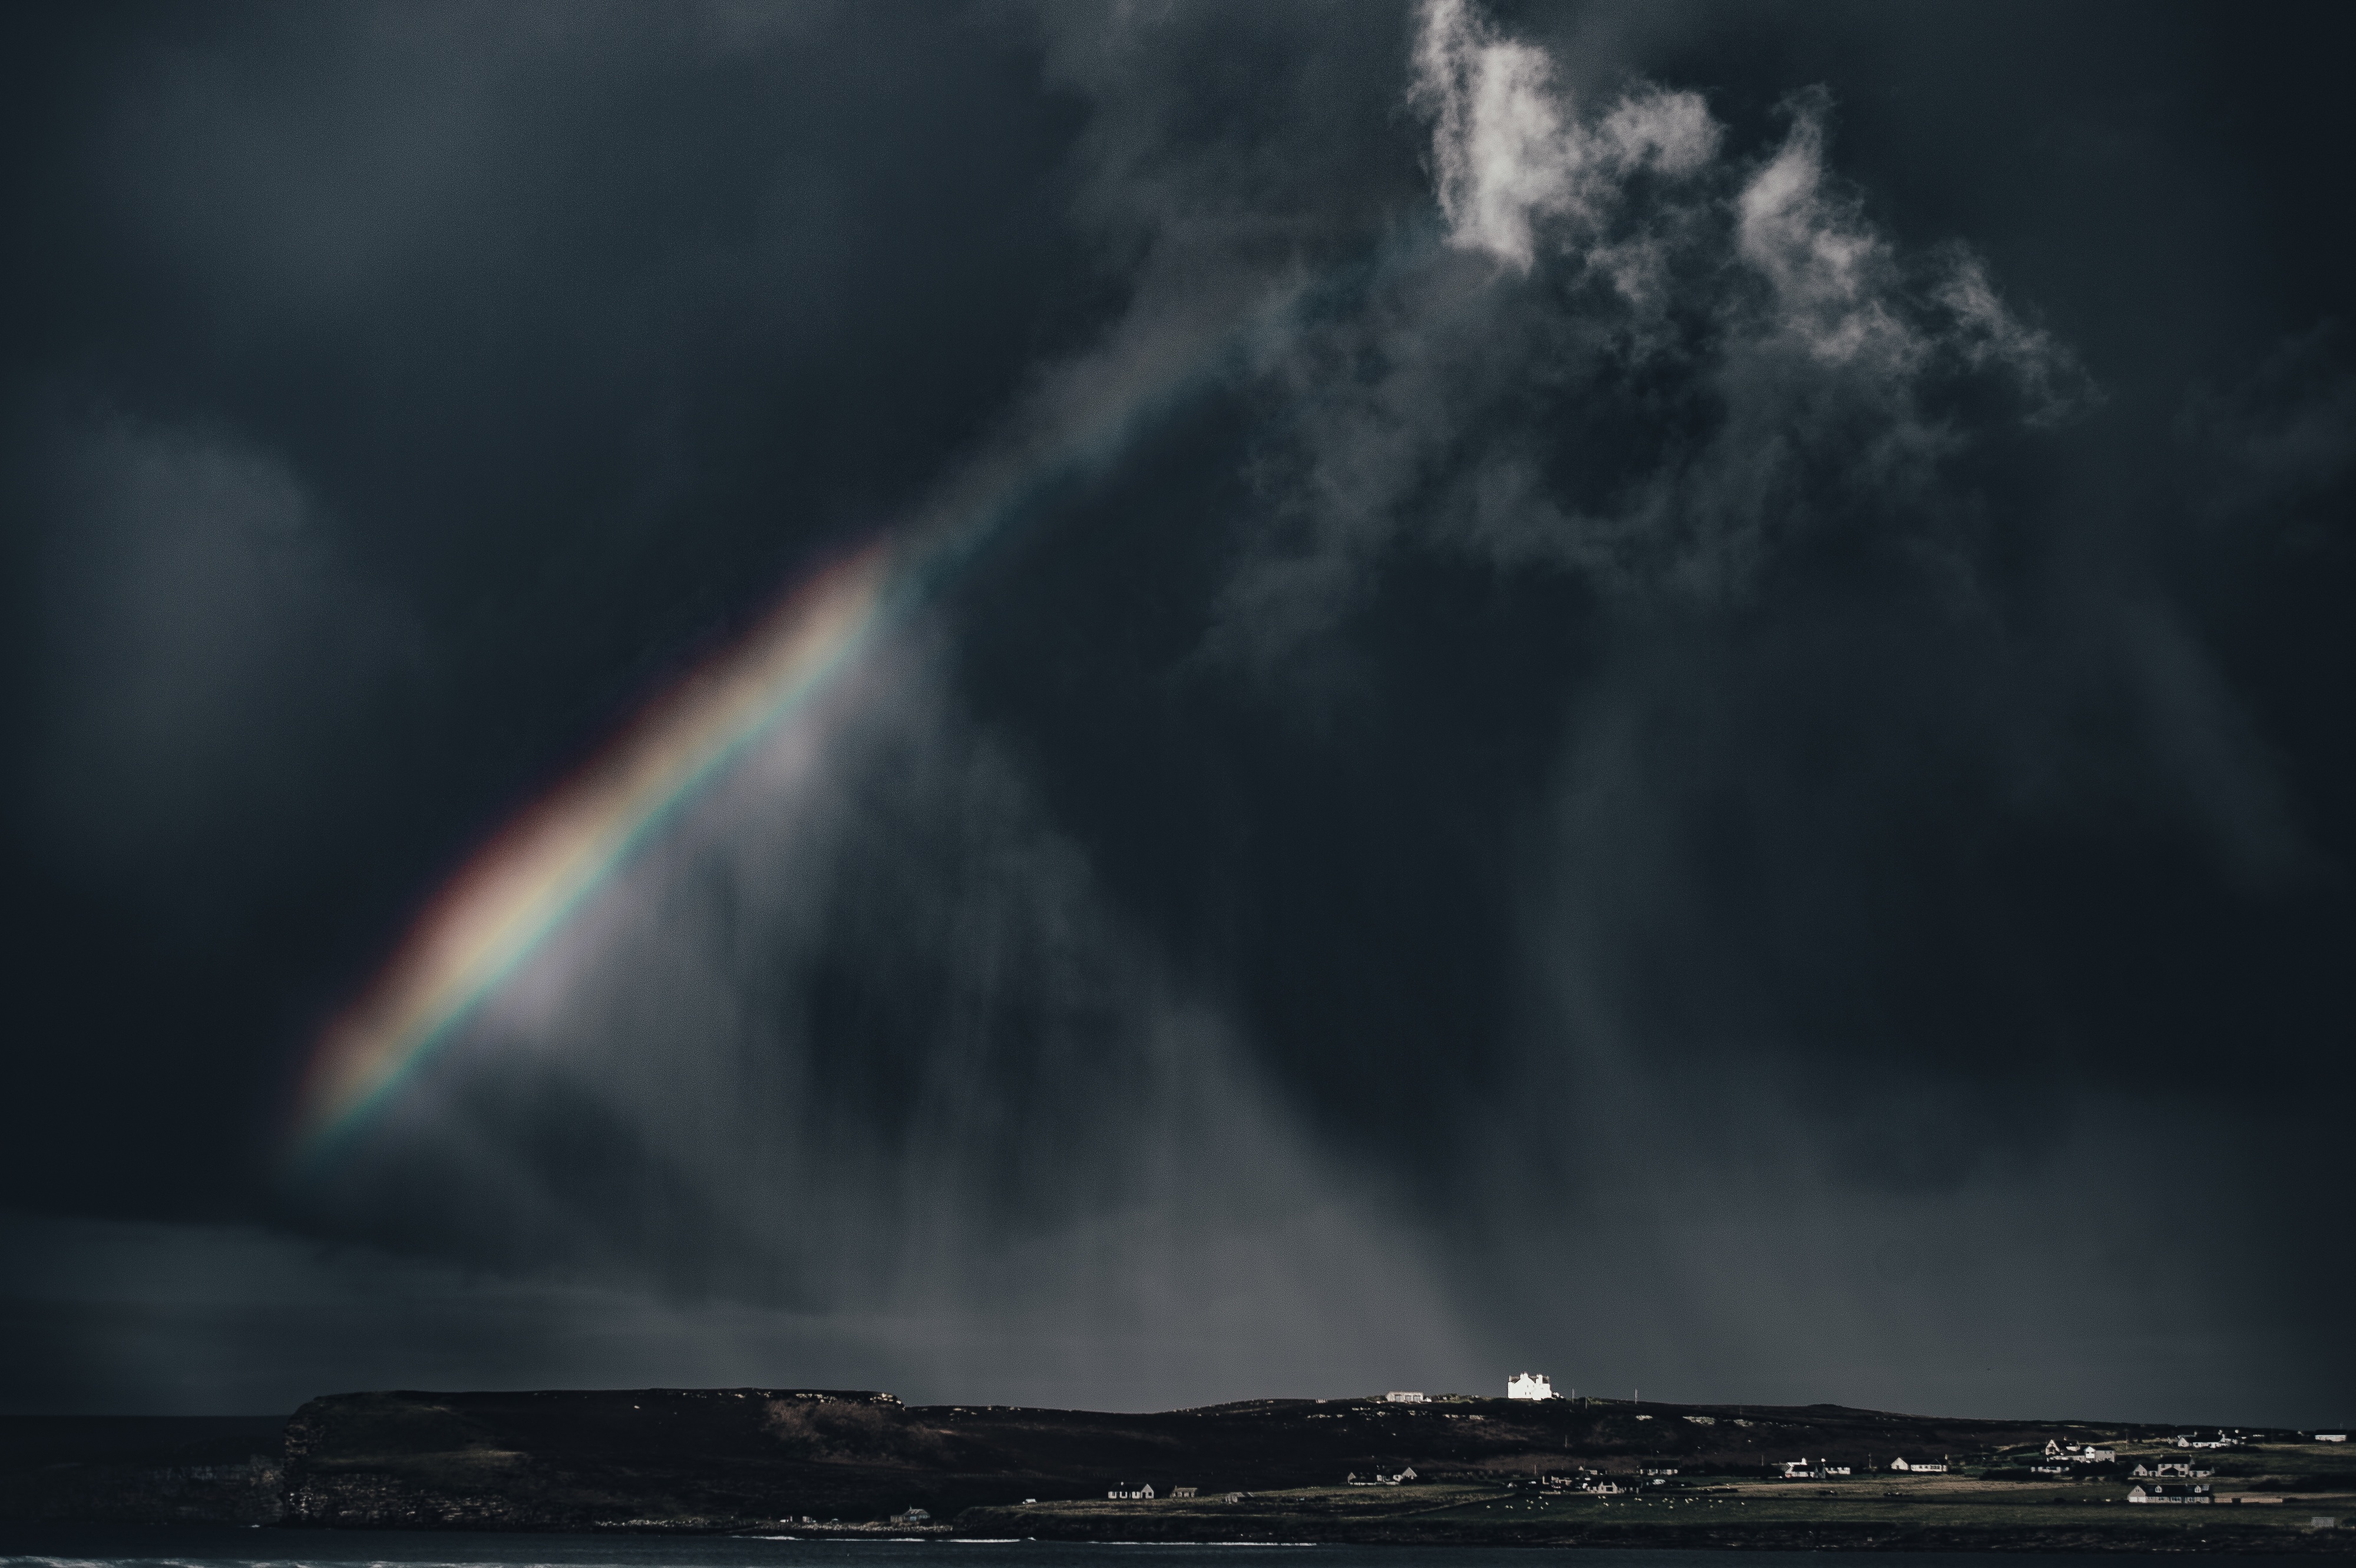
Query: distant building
x,y
1378,1479
1124,1493
914,1516
1920,1467
1405,1399
1529,1385
1182,1491
2331,1437
2079,1453
2165,1494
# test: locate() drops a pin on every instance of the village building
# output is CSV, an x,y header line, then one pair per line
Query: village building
x,y
1405,1399
1529,1385
1920,1466
1376,1479
2166,1494
2079,1453
2224,1439
1124,1493
2179,1469
2331,1437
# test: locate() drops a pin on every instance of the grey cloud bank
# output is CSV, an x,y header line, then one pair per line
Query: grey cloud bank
x,y
1713,764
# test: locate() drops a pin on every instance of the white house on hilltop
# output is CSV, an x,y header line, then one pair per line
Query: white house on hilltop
x,y
1399,1397
1529,1385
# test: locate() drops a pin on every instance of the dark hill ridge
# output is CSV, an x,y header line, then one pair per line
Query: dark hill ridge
x,y
725,1457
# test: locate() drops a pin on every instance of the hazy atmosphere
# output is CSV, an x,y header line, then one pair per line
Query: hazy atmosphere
x,y
1131,704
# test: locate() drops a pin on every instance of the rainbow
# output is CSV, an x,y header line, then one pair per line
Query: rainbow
x,y
527,879
530,876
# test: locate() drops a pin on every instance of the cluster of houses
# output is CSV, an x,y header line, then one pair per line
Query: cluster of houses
x,y
2166,1481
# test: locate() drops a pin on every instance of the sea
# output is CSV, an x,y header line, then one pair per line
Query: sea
x,y
196,1546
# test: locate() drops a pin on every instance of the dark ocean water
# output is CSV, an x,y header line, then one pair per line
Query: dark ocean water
x,y
169,1546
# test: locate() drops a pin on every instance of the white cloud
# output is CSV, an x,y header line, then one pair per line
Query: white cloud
x,y
1679,358
1509,150
1835,278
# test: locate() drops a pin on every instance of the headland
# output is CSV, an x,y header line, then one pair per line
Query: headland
x,y
1455,1469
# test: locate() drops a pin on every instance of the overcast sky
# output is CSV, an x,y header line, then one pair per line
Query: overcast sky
x,y
1695,734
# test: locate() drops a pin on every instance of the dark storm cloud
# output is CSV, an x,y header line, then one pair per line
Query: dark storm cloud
x,y
1711,761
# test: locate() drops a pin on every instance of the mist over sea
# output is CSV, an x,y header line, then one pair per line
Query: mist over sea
x,y
169,1546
